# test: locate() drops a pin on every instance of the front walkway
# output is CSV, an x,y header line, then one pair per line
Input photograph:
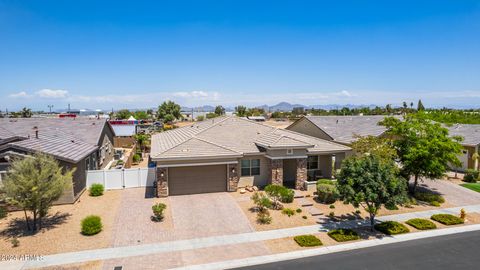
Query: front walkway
x,y
220,243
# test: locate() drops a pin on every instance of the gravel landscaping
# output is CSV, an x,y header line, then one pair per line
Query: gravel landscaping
x,y
61,232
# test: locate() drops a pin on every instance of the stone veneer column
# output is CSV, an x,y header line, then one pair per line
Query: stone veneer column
x,y
276,172
162,182
232,171
301,173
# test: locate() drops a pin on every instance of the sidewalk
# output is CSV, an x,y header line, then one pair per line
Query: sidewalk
x,y
197,243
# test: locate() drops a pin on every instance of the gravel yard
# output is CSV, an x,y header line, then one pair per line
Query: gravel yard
x,y
61,232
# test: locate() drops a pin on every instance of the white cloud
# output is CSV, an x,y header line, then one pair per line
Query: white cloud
x,y
50,93
21,94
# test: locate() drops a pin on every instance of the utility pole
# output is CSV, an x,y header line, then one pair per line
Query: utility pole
x,y
50,107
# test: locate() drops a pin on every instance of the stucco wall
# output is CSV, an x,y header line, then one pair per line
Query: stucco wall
x,y
325,164
256,180
283,153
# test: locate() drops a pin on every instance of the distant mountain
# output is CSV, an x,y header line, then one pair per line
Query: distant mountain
x,y
285,106
204,108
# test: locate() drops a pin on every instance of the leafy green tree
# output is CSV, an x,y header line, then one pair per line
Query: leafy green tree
x,y
373,145
219,110
211,115
420,106
141,115
123,114
370,182
34,183
143,140
26,112
169,111
424,147
241,111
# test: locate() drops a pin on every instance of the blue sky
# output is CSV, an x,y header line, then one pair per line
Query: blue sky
x,y
135,54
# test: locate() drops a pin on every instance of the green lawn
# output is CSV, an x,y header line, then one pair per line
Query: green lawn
x,y
472,186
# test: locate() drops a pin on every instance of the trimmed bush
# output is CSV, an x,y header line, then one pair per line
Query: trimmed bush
x,y
287,211
91,225
286,195
325,181
326,193
421,224
158,211
431,198
391,228
304,217
471,176
332,206
96,190
447,219
298,210
307,240
136,158
343,235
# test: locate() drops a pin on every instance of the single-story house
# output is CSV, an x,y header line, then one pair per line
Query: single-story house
x,y
470,143
341,129
224,153
346,129
80,143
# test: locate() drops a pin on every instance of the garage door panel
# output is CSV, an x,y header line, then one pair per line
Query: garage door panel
x,y
197,179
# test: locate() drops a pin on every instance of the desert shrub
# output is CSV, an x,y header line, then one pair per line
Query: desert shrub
x,y
264,217
136,158
96,190
3,212
15,242
307,240
298,210
431,198
326,193
158,209
332,206
279,194
325,181
287,211
331,214
343,235
304,217
421,224
261,201
358,212
91,225
471,176
391,227
447,219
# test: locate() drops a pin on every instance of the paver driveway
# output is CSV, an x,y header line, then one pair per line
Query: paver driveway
x,y
191,216
208,214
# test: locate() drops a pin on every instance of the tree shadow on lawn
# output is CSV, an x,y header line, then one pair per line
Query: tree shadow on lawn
x,y
18,228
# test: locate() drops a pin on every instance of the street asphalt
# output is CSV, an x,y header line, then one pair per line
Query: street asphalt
x,y
452,252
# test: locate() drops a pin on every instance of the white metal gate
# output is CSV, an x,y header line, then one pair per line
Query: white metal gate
x,y
123,178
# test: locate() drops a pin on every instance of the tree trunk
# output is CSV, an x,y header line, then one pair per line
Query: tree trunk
x,y
414,187
372,222
34,221
26,219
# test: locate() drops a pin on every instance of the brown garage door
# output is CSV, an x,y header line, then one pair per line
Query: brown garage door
x,y
197,179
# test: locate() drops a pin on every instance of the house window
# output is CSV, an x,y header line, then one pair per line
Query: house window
x,y
250,167
289,151
312,163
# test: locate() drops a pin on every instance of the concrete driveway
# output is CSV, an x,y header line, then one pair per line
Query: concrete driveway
x,y
209,214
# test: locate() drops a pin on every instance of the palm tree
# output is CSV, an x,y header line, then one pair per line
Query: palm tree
x,y
26,112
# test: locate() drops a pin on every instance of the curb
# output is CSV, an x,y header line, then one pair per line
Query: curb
x,y
330,249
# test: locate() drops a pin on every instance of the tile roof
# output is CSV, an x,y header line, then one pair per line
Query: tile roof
x,y
64,138
469,132
229,136
345,129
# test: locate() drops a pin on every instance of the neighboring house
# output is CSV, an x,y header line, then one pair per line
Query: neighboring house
x,y
124,132
80,143
341,129
224,153
470,143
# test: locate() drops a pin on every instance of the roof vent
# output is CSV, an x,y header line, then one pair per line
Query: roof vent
x,y
73,141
